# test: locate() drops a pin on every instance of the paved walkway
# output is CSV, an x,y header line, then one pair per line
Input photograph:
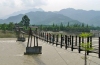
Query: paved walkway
x,y
12,53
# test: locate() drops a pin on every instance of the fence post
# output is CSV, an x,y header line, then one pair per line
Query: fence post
x,y
50,38
37,40
79,49
34,40
61,41
91,41
39,35
43,36
72,44
76,41
70,39
88,38
56,39
82,39
47,37
53,39
99,48
65,41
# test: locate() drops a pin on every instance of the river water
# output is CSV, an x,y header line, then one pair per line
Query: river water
x,y
12,53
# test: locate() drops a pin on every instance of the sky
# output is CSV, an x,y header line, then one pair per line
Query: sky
x,y
8,7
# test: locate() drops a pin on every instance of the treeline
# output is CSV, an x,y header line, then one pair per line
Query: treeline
x,y
54,27
9,26
69,27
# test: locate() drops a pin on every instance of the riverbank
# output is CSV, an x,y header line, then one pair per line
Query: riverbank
x,y
7,34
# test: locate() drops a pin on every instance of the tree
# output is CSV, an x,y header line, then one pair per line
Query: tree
x,y
68,24
53,27
86,45
25,21
3,27
20,23
11,26
41,27
61,26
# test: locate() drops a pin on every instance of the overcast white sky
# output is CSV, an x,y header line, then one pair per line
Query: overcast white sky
x,y
9,6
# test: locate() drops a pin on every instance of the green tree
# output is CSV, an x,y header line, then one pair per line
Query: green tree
x,y
11,26
86,45
53,25
21,23
41,27
68,24
82,24
25,21
3,27
61,26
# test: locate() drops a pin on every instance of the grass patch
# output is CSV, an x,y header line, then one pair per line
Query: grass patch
x,y
8,34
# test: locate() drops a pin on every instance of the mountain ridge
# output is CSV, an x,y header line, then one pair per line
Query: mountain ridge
x,y
39,17
90,17
80,15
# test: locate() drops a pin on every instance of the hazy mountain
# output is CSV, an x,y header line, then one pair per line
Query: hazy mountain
x,y
95,20
26,11
1,21
23,12
89,17
14,19
65,15
46,18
